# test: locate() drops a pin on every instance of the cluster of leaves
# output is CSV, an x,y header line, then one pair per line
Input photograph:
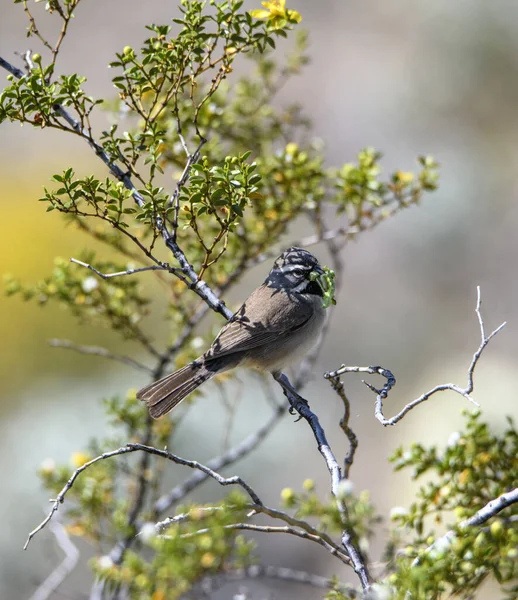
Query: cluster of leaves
x,y
201,544
33,98
360,191
116,303
476,467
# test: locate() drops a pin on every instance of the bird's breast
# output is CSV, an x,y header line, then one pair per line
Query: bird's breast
x,y
290,347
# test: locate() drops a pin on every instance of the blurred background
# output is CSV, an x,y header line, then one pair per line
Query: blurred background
x,y
407,78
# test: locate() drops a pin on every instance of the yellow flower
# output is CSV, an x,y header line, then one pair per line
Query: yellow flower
x,y
276,9
207,560
404,176
78,459
291,149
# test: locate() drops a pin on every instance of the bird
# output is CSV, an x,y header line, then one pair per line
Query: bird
x,y
276,326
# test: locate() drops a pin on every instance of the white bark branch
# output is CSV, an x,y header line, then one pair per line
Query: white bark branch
x,y
120,273
488,511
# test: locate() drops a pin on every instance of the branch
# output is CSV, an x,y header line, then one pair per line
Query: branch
x,y
337,385
271,529
56,578
192,464
308,531
488,511
191,160
196,284
99,351
300,405
126,272
382,393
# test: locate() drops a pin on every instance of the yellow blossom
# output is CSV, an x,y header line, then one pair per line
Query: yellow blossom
x,y
78,459
275,10
207,560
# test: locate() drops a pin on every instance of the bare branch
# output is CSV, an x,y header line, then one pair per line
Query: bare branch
x,y
192,464
337,385
293,526
488,511
276,529
99,351
382,393
56,578
120,273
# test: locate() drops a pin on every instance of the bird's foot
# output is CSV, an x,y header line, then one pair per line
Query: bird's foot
x,y
294,408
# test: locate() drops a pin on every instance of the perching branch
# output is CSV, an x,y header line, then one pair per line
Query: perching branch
x,y
300,405
192,464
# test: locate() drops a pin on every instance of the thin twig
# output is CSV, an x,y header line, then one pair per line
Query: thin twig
x,y
276,529
175,198
192,464
308,531
464,392
120,273
99,351
337,385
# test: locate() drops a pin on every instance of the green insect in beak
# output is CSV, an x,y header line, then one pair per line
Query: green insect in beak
x,y
326,281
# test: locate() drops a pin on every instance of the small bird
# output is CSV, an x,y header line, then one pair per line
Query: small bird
x,y
277,325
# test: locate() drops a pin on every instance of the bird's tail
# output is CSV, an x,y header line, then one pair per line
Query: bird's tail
x,y
163,395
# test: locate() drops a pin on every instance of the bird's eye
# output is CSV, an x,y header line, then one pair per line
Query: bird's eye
x,y
299,272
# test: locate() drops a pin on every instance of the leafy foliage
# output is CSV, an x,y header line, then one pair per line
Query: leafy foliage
x,y
475,468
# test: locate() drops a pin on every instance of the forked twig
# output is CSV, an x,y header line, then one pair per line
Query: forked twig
x,y
381,394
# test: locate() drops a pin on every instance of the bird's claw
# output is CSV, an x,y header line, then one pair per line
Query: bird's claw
x,y
293,410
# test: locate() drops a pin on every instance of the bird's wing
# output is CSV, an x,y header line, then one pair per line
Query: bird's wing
x,y
273,316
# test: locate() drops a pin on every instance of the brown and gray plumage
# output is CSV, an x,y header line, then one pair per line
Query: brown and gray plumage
x,y
277,325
